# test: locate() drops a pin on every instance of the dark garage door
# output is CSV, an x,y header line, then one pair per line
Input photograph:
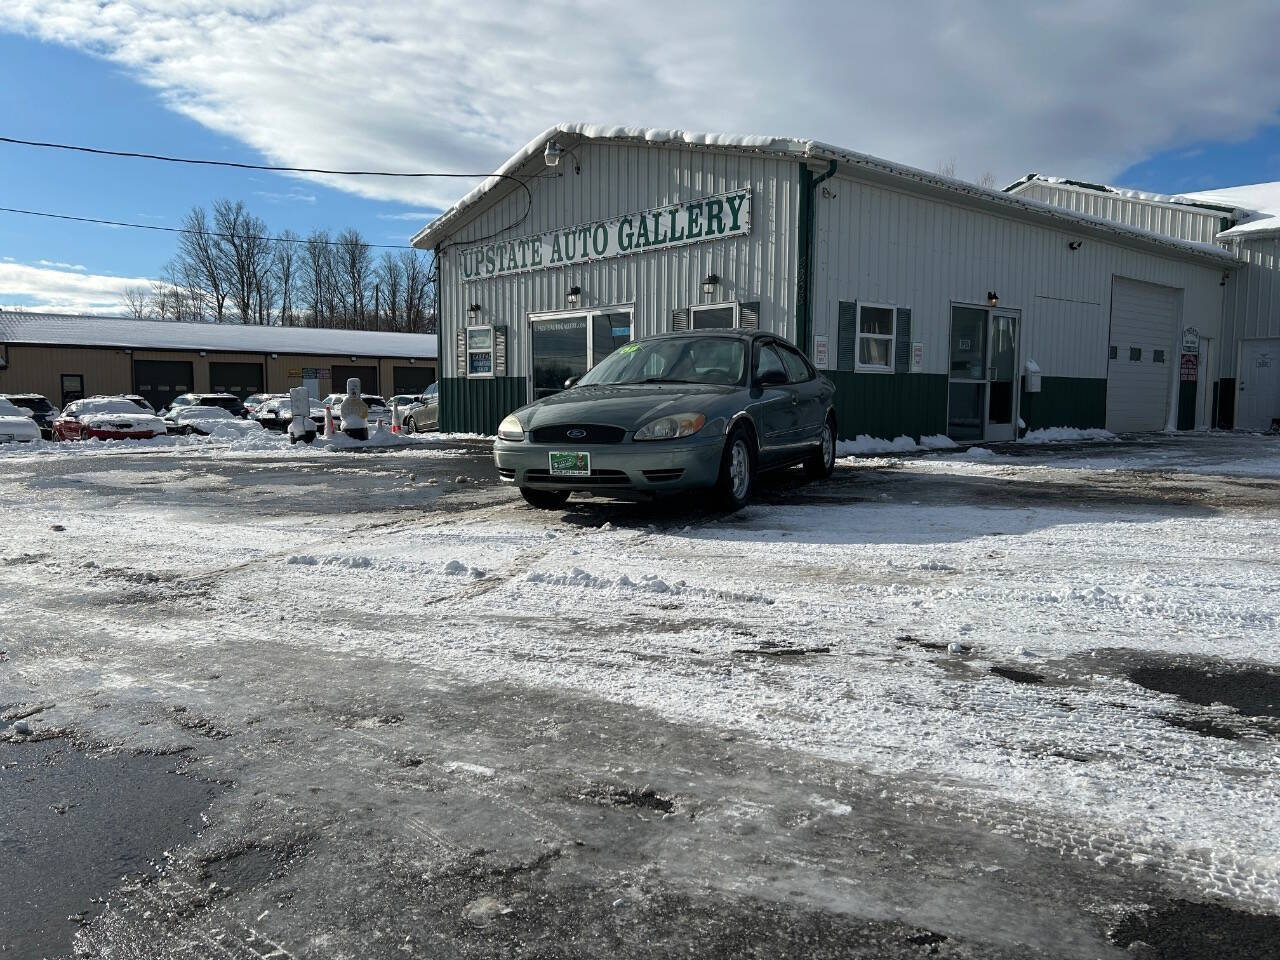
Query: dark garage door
x,y
413,379
368,377
161,380
241,379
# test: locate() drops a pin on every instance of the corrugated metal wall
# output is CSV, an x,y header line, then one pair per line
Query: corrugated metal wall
x,y
617,179
885,245
1182,223
1252,307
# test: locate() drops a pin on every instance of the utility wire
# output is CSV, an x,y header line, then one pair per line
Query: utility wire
x,y
196,233
129,154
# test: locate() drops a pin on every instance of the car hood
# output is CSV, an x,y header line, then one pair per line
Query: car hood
x,y
116,421
629,406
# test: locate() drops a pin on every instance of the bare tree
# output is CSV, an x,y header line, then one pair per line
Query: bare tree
x,y
284,268
947,168
355,267
201,262
987,181
419,291
390,275
317,280
137,302
245,252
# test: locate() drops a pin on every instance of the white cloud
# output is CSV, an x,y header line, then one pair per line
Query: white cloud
x,y
295,196
1082,88
47,290
60,265
414,216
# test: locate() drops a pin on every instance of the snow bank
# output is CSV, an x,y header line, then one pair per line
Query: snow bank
x,y
1063,434
864,444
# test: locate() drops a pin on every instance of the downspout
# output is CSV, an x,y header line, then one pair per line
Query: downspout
x,y
804,280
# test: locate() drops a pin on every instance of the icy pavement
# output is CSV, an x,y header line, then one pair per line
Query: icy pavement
x,y
990,704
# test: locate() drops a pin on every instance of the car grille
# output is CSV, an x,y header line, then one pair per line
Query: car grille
x,y
591,433
662,476
598,478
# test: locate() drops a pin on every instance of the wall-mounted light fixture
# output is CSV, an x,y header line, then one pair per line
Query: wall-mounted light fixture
x,y
1223,281
473,311
412,361
553,152
993,298
709,283
203,353
1075,244
574,294
275,356
353,359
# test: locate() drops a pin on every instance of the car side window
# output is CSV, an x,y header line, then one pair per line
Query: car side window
x,y
797,370
768,360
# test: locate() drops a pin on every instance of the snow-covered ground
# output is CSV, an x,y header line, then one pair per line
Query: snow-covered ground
x,y
906,580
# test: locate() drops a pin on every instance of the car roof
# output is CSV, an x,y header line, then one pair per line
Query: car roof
x,y
736,333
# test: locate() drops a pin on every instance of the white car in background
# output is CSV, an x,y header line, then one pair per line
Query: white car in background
x,y
16,424
208,420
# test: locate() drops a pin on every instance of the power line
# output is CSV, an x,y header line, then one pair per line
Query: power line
x,y
196,233
133,155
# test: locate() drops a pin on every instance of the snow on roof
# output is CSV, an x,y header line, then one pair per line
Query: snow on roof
x,y
435,231
1255,206
21,327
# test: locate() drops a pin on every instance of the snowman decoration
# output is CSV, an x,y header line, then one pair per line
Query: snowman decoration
x,y
354,412
301,426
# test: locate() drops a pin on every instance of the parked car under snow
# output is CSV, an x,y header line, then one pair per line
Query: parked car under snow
x,y
42,411
209,420
107,418
16,424
277,414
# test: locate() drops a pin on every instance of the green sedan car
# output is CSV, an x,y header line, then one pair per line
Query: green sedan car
x,y
696,411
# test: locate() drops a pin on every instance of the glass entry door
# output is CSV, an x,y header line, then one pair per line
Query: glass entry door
x,y
568,345
982,393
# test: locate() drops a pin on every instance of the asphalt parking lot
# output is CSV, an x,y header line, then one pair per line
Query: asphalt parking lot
x,y
285,703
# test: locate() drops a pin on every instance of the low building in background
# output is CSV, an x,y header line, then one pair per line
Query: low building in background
x,y
69,357
935,306
1244,220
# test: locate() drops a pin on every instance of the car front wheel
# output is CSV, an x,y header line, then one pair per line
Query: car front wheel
x,y
820,464
544,499
737,470
410,426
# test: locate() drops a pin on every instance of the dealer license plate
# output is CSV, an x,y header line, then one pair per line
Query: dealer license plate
x,y
570,464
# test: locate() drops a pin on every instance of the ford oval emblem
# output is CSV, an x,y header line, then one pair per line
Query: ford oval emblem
x,y
575,434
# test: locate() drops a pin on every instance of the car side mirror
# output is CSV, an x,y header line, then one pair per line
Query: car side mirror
x,y
571,382
772,378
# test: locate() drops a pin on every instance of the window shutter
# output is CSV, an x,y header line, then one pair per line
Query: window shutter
x,y
902,348
462,351
749,315
680,319
847,335
500,351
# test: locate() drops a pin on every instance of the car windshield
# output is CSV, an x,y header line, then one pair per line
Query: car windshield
x,y
693,359
105,406
34,404
204,413
8,409
229,403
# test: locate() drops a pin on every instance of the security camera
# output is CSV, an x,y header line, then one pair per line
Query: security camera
x,y
1074,244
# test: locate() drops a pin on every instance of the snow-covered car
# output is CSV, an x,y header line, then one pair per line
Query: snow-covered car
x,y
107,418
378,409
16,424
277,414
228,401
207,420
42,411
255,400
423,413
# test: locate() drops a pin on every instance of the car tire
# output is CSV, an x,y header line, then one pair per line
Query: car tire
x,y
84,433
820,464
737,470
544,499
409,426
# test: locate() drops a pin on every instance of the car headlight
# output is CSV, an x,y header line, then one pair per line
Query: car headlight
x,y
672,427
510,429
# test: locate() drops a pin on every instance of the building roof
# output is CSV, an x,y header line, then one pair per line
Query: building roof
x,y
1255,207
436,231
47,328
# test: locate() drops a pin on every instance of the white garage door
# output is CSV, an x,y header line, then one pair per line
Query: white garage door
x,y
1144,317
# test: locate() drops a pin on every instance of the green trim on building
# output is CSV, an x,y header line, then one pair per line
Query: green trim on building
x,y
478,405
889,405
1066,402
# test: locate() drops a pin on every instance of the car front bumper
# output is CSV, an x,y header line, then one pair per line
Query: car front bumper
x,y
647,468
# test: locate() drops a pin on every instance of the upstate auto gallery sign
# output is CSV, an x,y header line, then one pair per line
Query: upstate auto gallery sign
x,y
711,218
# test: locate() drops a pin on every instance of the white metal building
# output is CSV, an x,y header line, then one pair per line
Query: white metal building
x,y
935,306
1244,220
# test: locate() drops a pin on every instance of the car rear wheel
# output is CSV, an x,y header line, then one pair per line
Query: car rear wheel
x,y
822,461
84,433
410,426
544,499
737,470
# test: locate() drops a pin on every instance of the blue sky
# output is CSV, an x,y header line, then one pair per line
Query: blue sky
x,y
1163,95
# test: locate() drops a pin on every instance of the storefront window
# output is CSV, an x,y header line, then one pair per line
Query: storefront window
x,y
479,351
568,345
